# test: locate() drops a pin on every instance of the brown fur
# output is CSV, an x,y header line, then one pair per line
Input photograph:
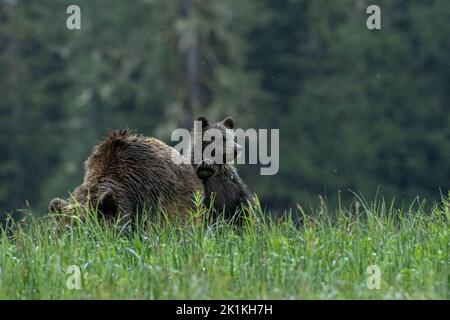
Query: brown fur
x,y
222,184
127,173
228,191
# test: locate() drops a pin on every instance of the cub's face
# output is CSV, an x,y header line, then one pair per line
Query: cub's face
x,y
218,141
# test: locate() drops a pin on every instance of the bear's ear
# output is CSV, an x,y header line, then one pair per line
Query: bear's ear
x,y
203,120
229,123
57,205
107,203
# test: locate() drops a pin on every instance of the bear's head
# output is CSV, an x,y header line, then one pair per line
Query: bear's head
x,y
106,205
217,141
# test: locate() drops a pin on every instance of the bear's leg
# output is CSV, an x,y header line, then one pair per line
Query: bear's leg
x,y
206,169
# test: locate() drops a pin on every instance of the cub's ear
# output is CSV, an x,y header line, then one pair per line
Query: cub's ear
x,y
107,203
203,120
229,123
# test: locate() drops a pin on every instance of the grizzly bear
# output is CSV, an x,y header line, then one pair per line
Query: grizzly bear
x,y
221,181
127,173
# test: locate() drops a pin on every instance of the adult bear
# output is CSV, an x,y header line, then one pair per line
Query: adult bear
x,y
127,173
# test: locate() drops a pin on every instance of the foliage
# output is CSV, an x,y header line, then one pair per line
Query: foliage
x,y
322,255
357,109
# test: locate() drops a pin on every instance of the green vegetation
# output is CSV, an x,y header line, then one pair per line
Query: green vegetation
x,y
319,254
357,109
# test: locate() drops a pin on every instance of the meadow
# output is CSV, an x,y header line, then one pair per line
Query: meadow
x,y
316,253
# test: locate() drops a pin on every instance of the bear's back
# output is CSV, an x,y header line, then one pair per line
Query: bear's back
x,y
141,171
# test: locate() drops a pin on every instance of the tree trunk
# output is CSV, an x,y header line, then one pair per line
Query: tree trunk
x,y
190,61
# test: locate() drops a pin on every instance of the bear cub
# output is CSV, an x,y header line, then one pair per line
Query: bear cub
x,y
221,181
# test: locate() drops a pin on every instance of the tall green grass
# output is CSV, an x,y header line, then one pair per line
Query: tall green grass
x,y
320,254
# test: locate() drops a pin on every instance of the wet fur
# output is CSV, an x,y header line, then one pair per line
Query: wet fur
x,y
224,186
136,172
228,190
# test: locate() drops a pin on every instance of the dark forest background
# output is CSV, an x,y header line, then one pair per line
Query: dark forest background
x,y
357,109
